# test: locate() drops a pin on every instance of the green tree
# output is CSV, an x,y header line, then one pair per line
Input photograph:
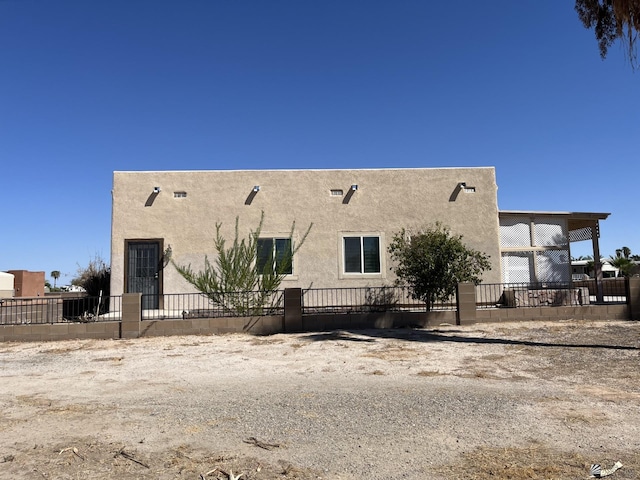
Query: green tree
x,y
55,275
433,261
612,20
591,265
234,281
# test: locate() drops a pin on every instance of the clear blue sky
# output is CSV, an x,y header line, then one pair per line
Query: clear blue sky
x,y
89,87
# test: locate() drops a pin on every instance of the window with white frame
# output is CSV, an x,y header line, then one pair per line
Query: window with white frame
x,y
275,255
361,254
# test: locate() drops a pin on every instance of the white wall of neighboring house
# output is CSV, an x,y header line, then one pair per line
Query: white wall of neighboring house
x,y
6,285
581,267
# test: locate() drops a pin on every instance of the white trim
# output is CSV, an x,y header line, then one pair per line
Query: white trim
x,y
341,263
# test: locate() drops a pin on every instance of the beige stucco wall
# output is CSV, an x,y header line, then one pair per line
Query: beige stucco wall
x,y
386,201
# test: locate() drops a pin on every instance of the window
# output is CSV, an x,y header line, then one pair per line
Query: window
x,y
362,254
274,254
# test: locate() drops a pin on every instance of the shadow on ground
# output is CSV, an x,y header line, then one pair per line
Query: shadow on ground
x,y
448,335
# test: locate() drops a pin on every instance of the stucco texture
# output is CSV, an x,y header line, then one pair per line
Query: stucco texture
x,y
385,201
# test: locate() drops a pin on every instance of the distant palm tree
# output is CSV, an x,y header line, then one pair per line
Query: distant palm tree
x,y
55,275
622,261
623,252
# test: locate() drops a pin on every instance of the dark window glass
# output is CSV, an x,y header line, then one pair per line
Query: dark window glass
x,y
371,250
362,254
284,262
352,255
265,254
274,253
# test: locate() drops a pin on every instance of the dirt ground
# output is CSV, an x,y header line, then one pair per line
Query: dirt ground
x,y
509,401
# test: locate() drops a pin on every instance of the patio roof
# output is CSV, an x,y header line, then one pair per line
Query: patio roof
x,y
575,220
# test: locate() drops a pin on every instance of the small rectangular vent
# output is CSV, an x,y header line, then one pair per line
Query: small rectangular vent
x,y
179,194
337,192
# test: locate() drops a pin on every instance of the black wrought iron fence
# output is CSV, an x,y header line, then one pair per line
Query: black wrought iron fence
x,y
365,299
92,309
49,310
198,305
614,290
548,294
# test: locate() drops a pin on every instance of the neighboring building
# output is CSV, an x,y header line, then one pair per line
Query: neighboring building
x,y
583,269
6,285
28,284
354,214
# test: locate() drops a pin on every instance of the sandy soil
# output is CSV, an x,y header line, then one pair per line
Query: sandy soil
x,y
534,401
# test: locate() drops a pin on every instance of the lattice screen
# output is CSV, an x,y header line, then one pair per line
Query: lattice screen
x,y
580,234
550,232
553,266
515,232
517,267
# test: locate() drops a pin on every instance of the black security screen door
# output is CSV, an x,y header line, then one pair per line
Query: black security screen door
x,y
143,272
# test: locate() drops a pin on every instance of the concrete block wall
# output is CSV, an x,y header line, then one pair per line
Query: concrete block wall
x,y
590,312
59,331
373,320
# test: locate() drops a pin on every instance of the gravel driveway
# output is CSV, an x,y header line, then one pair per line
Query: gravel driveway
x,y
521,400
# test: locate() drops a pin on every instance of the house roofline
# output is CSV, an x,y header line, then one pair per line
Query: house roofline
x,y
383,169
572,215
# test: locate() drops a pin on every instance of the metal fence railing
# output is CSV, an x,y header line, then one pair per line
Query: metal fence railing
x,y
198,305
365,299
614,290
54,309
50,310
548,294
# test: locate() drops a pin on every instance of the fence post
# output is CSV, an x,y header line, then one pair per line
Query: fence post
x,y
292,309
633,297
131,315
466,303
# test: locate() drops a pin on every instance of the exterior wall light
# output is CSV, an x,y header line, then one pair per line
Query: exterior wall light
x,y
156,190
256,188
462,186
354,187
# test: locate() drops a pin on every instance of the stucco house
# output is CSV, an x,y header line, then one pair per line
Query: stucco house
x,y
354,215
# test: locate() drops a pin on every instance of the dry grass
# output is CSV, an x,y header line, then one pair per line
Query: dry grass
x,y
258,341
392,353
108,359
95,459
537,463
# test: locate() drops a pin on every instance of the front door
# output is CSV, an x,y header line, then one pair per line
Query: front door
x,y
143,271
